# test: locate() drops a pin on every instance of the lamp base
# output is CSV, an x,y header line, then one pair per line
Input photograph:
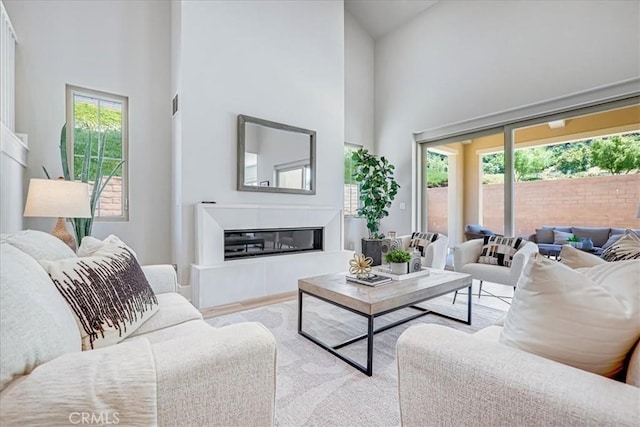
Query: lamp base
x,y
61,232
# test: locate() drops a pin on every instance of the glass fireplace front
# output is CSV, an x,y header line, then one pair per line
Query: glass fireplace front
x,y
271,241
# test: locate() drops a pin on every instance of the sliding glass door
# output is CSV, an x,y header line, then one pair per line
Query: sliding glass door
x,y
577,168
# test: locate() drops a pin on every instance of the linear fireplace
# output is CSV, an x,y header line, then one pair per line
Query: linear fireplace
x,y
271,241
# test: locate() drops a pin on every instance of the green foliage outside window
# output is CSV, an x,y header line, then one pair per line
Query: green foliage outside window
x,y
610,155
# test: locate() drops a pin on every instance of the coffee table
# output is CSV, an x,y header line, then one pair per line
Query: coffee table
x,y
371,302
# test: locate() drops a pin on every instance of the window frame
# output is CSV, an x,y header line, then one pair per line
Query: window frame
x,y
354,147
70,92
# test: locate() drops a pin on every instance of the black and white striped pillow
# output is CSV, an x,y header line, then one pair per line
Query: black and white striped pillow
x,y
420,241
626,247
498,250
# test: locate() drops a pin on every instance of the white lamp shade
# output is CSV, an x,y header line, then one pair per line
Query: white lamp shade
x,y
57,198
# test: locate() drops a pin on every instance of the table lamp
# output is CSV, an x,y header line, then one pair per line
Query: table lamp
x,y
51,198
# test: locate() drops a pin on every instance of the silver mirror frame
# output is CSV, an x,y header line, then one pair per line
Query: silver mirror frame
x,y
242,121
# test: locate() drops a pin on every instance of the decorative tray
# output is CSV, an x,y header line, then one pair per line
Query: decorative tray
x,y
385,271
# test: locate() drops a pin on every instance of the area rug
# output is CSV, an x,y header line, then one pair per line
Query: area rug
x,y
314,388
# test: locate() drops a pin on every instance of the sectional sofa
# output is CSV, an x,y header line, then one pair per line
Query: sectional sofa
x,y
548,243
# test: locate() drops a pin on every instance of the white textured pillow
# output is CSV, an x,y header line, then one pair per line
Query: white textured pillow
x,y
90,245
119,295
40,245
575,258
36,325
587,318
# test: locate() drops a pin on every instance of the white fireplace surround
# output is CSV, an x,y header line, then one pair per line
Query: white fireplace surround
x,y
217,282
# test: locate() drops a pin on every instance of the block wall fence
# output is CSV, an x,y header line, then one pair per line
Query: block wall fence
x,y
608,201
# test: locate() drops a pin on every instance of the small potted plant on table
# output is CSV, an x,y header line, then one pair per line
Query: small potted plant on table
x,y
398,261
575,242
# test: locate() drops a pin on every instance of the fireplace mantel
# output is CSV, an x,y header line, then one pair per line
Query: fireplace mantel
x,y
216,281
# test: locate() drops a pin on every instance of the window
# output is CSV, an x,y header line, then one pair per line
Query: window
x,y
293,175
100,123
351,192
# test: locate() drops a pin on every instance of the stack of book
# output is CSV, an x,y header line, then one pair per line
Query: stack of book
x,y
372,280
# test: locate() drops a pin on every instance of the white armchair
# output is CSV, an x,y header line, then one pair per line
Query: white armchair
x,y
465,260
435,255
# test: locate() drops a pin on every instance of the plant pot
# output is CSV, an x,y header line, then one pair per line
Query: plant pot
x,y
399,267
372,248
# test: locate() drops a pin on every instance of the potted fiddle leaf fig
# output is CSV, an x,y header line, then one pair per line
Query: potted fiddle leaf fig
x,y
92,172
398,261
377,189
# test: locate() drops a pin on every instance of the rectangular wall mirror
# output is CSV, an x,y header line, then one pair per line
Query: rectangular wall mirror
x,y
275,158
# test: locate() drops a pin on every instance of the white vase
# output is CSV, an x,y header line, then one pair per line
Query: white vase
x,y
398,267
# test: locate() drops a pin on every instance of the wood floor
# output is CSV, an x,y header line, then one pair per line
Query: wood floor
x,y
221,310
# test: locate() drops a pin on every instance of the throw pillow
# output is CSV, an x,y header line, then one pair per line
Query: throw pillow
x,y
626,247
90,245
588,318
498,250
421,241
560,237
40,245
37,325
544,235
107,292
575,258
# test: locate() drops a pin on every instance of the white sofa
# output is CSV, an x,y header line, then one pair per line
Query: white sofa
x,y
435,255
175,369
548,362
473,380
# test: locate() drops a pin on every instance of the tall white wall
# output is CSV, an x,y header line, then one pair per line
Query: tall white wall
x,y
118,47
280,60
463,59
358,105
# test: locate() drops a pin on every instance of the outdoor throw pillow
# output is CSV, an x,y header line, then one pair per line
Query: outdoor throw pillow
x,y
107,292
420,241
560,237
575,258
498,250
544,235
626,247
588,318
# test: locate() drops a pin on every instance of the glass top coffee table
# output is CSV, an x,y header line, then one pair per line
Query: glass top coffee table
x,y
371,302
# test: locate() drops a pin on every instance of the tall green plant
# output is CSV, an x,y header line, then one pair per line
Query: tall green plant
x,y
378,188
82,226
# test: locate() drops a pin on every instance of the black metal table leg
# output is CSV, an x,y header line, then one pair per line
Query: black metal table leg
x,y
469,306
370,347
299,311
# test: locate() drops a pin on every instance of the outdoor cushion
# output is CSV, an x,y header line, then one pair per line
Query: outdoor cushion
x,y
544,235
566,229
598,235
474,228
560,237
